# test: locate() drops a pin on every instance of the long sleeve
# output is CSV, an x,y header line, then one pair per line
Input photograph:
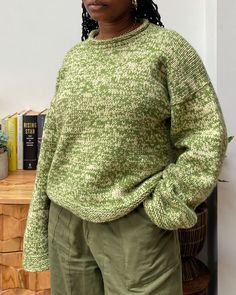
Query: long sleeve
x,y
198,131
35,242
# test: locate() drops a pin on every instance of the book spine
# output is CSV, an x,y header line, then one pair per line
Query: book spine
x,y
12,143
30,142
19,142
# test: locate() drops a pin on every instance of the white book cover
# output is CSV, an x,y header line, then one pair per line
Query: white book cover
x,y
20,139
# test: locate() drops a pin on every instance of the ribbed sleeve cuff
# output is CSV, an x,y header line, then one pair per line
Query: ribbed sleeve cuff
x,y
35,263
170,214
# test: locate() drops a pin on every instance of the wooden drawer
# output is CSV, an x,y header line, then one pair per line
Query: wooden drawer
x,y
15,196
16,277
25,292
12,222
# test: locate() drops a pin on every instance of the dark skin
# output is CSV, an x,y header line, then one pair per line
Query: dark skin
x,y
114,18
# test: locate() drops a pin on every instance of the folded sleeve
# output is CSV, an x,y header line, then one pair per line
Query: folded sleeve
x,y
197,129
35,240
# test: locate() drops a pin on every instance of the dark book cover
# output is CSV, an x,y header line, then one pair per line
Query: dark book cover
x,y
41,120
30,139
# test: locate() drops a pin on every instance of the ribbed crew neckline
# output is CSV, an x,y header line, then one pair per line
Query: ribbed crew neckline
x,y
119,39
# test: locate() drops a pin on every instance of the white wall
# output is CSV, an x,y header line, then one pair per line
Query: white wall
x,y
211,39
226,80
34,38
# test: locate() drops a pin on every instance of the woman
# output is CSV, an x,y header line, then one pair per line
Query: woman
x,y
133,142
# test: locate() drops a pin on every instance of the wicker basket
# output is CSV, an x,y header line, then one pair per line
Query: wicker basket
x,y
198,286
191,243
192,239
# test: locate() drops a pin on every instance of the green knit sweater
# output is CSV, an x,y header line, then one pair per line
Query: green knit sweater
x,y
134,118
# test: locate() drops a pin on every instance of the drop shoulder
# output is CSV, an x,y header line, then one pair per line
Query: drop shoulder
x,y
170,37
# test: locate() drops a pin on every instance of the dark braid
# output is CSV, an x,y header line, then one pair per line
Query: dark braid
x,y
145,9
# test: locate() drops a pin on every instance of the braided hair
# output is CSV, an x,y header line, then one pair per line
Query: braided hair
x,y
145,9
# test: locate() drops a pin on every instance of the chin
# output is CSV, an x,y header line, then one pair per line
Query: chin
x,y
98,17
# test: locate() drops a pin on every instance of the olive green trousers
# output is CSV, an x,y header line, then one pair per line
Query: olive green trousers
x,y
129,255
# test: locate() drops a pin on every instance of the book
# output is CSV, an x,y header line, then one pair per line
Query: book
x,y
20,139
30,131
12,142
41,120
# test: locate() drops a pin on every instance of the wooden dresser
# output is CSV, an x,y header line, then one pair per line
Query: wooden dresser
x,y
15,195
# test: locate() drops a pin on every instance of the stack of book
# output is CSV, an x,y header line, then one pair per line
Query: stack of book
x,y
24,130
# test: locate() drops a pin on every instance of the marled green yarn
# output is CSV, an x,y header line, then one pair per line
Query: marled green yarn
x,y
197,125
124,109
